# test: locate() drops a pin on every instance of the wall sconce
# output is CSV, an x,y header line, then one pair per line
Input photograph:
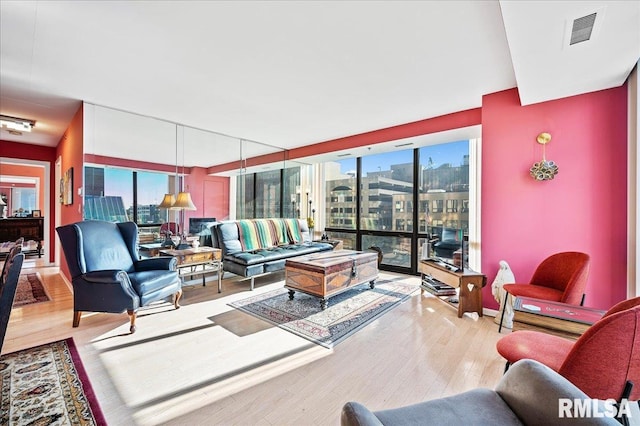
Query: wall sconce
x,y
545,169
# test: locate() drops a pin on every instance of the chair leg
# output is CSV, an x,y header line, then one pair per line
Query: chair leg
x,y
582,300
252,283
132,315
76,318
506,367
176,299
504,308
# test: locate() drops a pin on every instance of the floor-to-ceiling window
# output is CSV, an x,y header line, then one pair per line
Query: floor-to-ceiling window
x,y
120,195
386,206
268,194
410,203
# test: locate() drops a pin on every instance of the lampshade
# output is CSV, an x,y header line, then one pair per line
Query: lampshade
x,y
183,201
168,201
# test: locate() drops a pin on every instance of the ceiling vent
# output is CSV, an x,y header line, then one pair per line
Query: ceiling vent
x,y
582,29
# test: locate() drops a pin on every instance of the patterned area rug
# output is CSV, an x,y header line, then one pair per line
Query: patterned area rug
x,y
30,290
47,385
347,312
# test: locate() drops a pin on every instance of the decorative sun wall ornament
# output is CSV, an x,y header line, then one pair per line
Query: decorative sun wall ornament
x,y
545,169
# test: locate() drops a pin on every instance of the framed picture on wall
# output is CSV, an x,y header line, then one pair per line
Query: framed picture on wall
x,y
35,213
67,187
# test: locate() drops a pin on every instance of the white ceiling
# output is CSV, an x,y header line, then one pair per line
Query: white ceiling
x,y
293,73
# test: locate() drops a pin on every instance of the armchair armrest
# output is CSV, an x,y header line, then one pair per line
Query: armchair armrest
x,y
111,276
167,263
108,290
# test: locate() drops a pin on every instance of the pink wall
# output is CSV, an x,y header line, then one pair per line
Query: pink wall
x,y
210,194
70,149
582,209
38,153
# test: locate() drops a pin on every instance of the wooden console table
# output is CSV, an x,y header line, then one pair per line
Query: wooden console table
x,y
30,228
198,261
560,319
468,282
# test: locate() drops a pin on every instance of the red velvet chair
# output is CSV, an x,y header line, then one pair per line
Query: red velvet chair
x,y
561,277
600,362
172,227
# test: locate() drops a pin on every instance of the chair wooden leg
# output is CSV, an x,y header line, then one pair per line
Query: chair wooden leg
x,y
76,318
504,308
176,299
132,315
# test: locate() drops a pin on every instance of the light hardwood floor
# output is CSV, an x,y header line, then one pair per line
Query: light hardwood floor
x,y
209,364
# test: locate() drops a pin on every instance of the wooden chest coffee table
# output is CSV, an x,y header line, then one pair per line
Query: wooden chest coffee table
x,y
326,274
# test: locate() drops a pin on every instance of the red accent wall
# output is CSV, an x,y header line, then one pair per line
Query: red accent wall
x,y
36,153
582,209
70,150
210,194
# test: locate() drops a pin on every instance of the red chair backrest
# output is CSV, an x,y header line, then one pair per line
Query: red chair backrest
x,y
567,272
171,226
606,356
623,306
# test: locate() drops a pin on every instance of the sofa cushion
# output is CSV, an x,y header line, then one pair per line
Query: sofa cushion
x,y
276,253
146,282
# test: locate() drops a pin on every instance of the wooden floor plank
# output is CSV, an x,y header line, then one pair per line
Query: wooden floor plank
x,y
208,363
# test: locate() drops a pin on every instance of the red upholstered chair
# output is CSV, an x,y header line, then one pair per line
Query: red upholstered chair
x,y
600,362
172,227
561,277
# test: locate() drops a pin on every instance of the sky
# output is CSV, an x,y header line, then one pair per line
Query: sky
x,y
119,182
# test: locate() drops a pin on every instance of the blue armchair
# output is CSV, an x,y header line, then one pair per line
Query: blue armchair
x,y
106,272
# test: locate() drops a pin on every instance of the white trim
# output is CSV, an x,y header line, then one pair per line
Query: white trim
x,y
633,184
475,195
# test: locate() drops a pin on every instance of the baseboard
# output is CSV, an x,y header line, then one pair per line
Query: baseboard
x,y
489,312
69,285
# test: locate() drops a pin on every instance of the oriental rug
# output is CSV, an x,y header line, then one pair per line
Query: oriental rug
x,y
347,312
46,385
29,290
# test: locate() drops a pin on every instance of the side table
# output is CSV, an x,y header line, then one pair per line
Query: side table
x,y
469,284
189,261
557,318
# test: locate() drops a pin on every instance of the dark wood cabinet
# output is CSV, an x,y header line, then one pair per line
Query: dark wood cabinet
x,y
31,228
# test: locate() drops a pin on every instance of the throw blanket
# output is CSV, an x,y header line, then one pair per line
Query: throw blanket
x,y
264,233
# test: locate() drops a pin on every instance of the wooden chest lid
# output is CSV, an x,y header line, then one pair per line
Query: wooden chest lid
x,y
328,262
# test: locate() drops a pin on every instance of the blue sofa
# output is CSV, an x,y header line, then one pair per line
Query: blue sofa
x,y
254,247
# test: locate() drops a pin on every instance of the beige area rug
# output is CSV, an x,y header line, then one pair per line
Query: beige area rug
x,y
30,290
347,312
